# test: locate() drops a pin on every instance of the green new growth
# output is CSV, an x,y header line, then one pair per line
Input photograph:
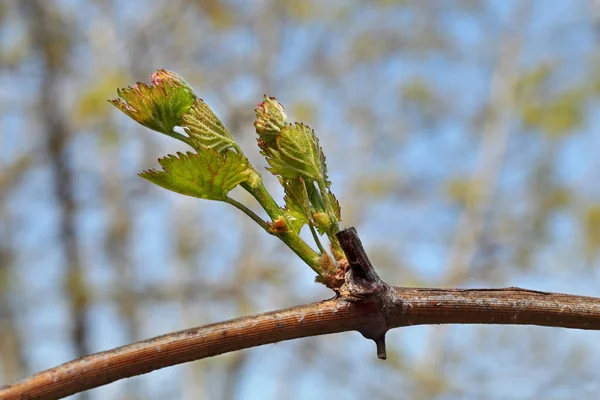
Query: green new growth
x,y
217,164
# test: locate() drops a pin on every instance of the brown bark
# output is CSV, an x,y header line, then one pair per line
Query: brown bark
x,y
399,307
364,303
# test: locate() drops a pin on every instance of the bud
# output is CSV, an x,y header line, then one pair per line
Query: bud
x,y
278,225
330,275
322,220
164,77
270,118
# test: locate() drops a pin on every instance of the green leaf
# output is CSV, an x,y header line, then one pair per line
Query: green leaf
x,y
315,199
335,205
206,174
304,205
324,221
159,106
294,153
297,207
205,129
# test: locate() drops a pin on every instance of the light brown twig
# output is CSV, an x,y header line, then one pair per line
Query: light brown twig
x,y
365,304
403,307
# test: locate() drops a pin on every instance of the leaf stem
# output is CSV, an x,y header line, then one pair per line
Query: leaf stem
x,y
260,193
303,250
316,238
291,239
248,212
183,138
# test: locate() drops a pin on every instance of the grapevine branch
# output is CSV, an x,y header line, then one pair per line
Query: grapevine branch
x,y
364,303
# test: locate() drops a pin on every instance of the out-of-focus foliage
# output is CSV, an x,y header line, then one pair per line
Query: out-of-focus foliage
x,y
461,142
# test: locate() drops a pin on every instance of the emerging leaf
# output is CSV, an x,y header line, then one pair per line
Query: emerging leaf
x,y
270,118
315,198
335,205
205,129
294,153
297,207
206,174
322,222
160,105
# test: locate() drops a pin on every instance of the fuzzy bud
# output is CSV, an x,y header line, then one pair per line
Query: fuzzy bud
x,y
270,118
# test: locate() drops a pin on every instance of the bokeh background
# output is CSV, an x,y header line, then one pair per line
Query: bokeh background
x,y
461,138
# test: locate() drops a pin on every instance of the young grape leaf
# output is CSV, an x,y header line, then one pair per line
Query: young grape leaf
x,y
206,174
323,221
294,153
160,105
315,199
297,207
205,129
335,205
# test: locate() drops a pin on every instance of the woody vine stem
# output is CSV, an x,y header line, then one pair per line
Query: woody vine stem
x,y
366,304
362,302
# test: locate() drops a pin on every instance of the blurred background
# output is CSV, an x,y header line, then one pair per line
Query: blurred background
x,y
461,138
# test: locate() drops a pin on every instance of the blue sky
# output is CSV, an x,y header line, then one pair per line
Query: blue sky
x,y
427,154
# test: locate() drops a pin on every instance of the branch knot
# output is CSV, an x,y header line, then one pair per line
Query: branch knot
x,y
361,283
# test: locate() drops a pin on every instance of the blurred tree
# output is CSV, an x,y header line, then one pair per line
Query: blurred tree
x,y
471,130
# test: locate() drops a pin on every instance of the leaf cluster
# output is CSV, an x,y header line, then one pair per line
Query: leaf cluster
x,y
217,165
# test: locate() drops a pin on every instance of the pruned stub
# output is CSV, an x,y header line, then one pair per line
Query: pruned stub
x,y
363,285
